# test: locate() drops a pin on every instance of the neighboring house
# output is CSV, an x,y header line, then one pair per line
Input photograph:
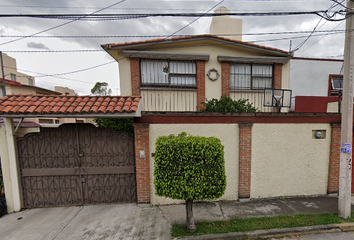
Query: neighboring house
x,y
315,83
10,71
178,74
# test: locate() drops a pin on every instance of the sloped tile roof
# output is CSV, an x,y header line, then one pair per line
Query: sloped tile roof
x,y
175,39
48,104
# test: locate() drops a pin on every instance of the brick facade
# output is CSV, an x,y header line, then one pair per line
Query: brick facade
x,y
245,159
225,79
200,84
141,131
135,76
278,72
334,159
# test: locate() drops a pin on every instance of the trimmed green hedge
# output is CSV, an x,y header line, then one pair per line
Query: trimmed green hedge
x,y
189,167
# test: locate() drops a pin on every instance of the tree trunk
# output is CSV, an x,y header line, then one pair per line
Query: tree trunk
x,y
190,217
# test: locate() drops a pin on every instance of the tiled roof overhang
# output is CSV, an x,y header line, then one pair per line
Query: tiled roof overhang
x,y
150,43
165,55
70,106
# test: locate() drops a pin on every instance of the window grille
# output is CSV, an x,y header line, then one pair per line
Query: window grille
x,y
168,73
251,76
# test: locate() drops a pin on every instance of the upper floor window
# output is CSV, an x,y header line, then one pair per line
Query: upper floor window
x,y
13,77
168,73
30,81
335,85
251,76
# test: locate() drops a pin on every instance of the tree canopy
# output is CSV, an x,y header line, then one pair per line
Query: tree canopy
x,y
101,88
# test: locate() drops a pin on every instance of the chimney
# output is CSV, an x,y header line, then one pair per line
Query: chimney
x,y
226,26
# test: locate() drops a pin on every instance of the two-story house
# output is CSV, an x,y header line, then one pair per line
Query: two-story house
x,y
177,74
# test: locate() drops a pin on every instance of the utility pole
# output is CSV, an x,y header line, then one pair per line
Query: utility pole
x,y
3,76
345,173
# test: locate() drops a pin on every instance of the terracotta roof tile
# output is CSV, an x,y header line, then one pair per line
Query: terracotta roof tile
x,y
40,104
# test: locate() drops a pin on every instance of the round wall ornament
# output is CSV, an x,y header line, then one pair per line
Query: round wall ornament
x,y
213,74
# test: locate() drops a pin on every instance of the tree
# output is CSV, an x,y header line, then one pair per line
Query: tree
x,y
118,124
101,88
189,168
226,104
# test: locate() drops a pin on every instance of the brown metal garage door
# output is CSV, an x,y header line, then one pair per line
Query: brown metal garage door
x,y
76,164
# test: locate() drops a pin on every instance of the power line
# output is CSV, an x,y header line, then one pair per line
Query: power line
x,y
178,35
92,8
110,17
314,29
63,24
321,38
103,64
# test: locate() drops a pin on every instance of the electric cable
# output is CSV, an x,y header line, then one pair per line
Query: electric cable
x,y
63,24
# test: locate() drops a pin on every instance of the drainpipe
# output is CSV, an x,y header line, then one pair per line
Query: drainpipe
x,y
3,76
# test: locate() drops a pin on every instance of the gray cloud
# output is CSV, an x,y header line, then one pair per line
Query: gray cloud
x,y
37,45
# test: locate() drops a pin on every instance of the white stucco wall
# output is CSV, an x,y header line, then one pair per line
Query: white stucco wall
x,y
310,77
228,135
288,161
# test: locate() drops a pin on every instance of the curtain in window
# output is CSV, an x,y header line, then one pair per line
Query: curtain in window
x,y
152,72
181,73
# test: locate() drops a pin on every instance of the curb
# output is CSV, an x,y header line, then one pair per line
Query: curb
x,y
276,232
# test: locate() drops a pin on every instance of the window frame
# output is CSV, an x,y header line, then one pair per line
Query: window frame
x,y
252,77
170,75
331,91
13,77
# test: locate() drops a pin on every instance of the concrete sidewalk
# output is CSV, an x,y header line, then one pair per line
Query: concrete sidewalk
x,y
132,221
216,211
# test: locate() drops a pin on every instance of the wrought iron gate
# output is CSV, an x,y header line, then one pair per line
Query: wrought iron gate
x,y
76,164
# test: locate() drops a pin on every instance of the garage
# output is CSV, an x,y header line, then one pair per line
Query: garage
x,y
76,164
73,164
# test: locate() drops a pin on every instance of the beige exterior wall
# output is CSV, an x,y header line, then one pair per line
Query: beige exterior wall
x,y
158,100
212,88
228,135
288,161
64,90
11,68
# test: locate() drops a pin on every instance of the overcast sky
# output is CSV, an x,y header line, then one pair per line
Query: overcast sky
x,y
49,63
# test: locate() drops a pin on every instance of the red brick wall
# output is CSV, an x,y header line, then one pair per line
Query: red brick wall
x,y
334,159
225,79
141,131
278,71
135,76
200,84
245,158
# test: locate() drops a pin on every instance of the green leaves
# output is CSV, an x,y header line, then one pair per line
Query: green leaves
x,y
118,124
189,167
226,104
101,88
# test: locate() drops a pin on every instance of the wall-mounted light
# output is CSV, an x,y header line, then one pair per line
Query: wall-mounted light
x,y
319,134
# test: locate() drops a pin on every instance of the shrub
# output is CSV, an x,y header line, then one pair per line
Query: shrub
x,y
226,104
118,124
189,168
